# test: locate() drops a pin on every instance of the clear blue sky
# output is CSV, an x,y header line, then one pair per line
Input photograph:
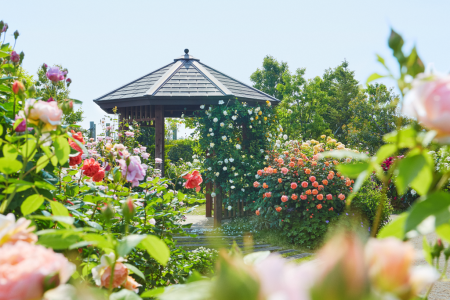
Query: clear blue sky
x,y
106,44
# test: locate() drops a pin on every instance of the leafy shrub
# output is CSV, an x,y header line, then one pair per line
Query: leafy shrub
x,y
366,203
300,192
181,149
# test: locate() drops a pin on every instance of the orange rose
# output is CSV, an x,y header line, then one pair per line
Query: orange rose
x,y
330,176
257,213
280,180
294,197
265,185
312,178
307,171
284,198
278,209
327,164
304,184
314,163
291,164
315,184
329,197
256,184
325,182
260,172
308,192
341,196
319,206
315,192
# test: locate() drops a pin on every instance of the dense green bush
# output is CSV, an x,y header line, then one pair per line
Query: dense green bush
x,y
366,203
181,149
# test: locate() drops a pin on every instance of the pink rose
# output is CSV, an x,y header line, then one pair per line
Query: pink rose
x,y
158,160
145,155
24,266
136,150
143,149
129,133
429,102
284,170
134,172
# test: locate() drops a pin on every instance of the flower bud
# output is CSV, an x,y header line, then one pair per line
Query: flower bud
x,y
44,66
5,27
31,91
117,176
2,24
18,87
128,161
67,107
68,81
108,212
447,252
128,209
22,55
15,58
16,34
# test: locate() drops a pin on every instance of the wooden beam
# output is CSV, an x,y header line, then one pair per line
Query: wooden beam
x,y
208,197
159,136
218,206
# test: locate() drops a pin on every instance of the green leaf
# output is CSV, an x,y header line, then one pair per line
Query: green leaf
x,y
406,137
422,182
426,250
58,209
157,249
395,228
408,169
374,76
28,148
42,163
135,270
414,63
434,205
9,165
5,89
4,54
10,151
380,59
58,241
62,149
128,243
444,232
124,294
358,184
50,155
354,169
384,152
65,220
31,204
152,293
44,185
344,154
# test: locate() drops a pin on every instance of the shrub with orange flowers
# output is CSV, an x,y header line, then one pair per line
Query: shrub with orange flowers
x,y
308,187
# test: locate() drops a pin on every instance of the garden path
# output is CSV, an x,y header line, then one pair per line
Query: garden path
x,y
206,237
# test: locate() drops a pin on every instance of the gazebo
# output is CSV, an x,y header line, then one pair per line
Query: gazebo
x,y
173,90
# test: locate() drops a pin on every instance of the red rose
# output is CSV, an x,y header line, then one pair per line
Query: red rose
x,y
257,212
193,180
78,136
75,160
90,167
99,175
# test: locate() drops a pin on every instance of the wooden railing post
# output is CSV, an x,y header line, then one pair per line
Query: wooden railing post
x,y
208,199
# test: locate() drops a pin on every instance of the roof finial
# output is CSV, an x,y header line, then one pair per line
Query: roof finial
x,y
186,51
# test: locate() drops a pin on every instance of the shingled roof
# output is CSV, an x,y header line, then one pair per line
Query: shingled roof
x,y
186,81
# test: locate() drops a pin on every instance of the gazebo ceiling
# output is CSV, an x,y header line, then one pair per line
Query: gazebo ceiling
x,y
185,82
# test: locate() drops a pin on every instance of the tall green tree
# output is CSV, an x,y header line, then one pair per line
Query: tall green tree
x,y
373,116
268,78
341,87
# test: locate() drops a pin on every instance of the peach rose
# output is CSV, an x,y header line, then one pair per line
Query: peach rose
x,y
303,197
102,273
12,231
320,197
304,184
47,112
280,180
24,266
319,206
307,171
429,102
329,197
132,285
256,184
278,209
284,170
312,178
294,197
284,198
257,213
265,185
315,184
260,172
293,185
315,192
341,196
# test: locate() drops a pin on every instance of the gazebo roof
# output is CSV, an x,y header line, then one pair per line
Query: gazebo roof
x,y
184,82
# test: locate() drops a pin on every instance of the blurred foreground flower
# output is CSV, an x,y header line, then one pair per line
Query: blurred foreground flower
x,y
25,268
429,102
12,231
193,180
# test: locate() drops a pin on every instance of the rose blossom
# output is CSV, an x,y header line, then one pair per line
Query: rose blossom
x,y
99,175
102,273
143,149
193,180
284,198
47,112
145,155
132,285
90,167
129,133
12,231
14,57
119,147
134,172
55,74
284,170
23,268
158,160
75,160
429,102
136,150
293,185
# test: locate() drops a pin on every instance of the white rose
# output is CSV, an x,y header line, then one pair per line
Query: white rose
x,y
232,187
211,145
238,146
224,168
225,113
221,102
213,194
215,120
224,138
222,124
202,106
210,130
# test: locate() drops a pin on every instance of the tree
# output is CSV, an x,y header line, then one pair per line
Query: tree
x,y
373,116
268,78
342,87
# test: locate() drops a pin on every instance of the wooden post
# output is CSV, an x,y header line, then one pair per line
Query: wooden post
x,y
159,136
208,199
218,206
